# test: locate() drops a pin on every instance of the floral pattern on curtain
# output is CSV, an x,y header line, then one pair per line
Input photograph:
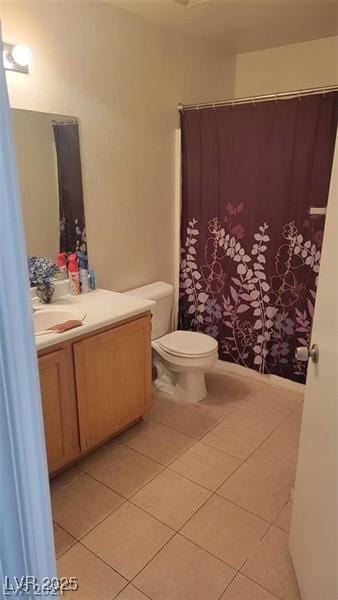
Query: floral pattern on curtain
x,y
250,248
71,205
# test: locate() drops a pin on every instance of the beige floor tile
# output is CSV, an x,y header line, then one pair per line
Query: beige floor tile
x,y
98,456
220,382
225,530
171,498
219,406
128,539
66,478
191,420
131,593
282,399
182,571
259,416
261,490
95,578
234,438
242,588
226,393
205,465
124,470
163,406
271,566
282,446
156,441
62,539
283,520
82,505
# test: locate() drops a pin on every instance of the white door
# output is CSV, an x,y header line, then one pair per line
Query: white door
x,y
26,534
314,525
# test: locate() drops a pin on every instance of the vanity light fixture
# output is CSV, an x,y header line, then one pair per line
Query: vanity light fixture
x,y
16,57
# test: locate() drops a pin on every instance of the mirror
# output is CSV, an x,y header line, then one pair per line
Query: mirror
x,y
49,168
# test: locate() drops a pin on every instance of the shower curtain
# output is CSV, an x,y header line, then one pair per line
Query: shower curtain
x,y
250,246
71,205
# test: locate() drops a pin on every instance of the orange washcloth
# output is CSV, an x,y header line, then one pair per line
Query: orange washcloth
x,y
62,327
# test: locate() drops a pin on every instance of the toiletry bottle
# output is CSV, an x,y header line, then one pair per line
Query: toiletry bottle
x,y
73,272
92,283
61,263
83,273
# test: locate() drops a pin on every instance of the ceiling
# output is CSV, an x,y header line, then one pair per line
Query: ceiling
x,y
242,25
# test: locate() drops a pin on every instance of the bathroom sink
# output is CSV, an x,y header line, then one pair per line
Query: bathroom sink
x,y
43,318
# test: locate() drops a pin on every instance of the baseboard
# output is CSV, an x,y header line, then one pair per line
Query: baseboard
x,y
246,372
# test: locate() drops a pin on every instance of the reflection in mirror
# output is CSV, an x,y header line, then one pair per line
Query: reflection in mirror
x,y
49,165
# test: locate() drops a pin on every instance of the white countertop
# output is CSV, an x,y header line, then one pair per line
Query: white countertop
x,y
102,308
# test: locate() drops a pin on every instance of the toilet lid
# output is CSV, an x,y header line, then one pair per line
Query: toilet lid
x,y
188,343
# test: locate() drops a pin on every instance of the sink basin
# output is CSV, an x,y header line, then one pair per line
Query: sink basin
x,y
44,318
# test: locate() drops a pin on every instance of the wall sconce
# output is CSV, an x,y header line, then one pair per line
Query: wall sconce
x,y
16,57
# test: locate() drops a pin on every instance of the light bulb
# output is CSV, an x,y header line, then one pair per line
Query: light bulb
x,y
22,55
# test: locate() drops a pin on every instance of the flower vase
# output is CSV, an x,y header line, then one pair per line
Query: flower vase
x,y
45,292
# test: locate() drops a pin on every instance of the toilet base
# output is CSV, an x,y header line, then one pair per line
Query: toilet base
x,y
190,386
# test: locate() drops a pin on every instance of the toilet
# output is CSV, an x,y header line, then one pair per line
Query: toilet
x,y
180,357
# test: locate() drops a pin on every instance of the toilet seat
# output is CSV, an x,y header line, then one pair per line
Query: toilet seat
x,y
188,344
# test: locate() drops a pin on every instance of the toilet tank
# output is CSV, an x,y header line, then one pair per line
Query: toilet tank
x,y
162,294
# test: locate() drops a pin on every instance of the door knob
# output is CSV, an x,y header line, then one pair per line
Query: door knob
x,y
302,353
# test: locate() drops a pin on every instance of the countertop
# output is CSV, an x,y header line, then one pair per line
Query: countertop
x,y
102,308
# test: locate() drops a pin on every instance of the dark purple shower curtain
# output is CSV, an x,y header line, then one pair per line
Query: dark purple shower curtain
x,y
71,205
250,248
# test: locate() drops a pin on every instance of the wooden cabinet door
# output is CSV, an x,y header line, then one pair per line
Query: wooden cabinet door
x,y
113,380
59,408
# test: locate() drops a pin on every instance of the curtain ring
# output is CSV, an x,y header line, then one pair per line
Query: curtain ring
x,y
324,93
233,105
254,102
197,107
299,96
276,98
214,106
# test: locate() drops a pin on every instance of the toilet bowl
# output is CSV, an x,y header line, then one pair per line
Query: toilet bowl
x,y
181,357
188,355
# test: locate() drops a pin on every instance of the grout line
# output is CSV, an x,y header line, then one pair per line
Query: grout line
x,y
253,581
139,590
281,510
133,494
177,533
105,563
207,551
212,493
72,544
252,553
102,520
163,522
97,524
196,439
263,441
230,582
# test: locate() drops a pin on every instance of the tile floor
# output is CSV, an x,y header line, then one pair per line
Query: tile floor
x,y
192,503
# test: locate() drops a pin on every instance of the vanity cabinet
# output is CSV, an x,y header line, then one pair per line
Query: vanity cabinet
x,y
94,386
59,408
113,380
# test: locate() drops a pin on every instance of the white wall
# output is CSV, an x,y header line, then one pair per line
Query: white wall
x,y
37,169
122,76
292,67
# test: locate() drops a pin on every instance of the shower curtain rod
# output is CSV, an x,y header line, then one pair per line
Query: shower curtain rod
x,y
253,99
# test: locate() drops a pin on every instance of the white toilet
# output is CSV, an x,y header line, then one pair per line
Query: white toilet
x,y
181,357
